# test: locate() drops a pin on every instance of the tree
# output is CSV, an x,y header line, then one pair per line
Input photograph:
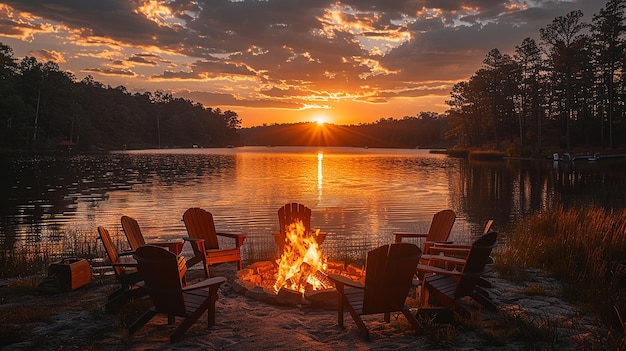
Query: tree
x,y
501,73
12,115
607,30
564,41
528,57
8,65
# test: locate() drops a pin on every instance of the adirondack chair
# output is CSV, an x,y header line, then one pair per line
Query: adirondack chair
x,y
457,255
439,231
454,250
126,274
289,214
135,237
389,272
447,287
204,240
163,273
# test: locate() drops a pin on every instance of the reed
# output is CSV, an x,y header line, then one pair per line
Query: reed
x,y
583,246
34,257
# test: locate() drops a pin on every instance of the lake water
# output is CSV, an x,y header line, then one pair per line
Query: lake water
x,y
358,196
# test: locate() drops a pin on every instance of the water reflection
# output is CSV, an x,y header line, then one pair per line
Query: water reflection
x,y
358,196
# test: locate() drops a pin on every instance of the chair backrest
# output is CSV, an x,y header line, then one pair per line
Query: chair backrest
x,y
133,232
292,212
200,225
389,272
474,267
163,274
441,226
111,250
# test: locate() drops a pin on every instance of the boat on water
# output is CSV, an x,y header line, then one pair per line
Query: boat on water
x,y
567,157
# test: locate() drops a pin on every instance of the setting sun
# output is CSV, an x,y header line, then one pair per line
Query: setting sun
x,y
320,119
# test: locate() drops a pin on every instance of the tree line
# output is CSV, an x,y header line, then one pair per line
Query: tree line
x,y
426,130
566,91
43,107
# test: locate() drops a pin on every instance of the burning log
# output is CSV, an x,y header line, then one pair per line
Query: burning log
x,y
245,274
305,271
262,266
335,267
323,280
354,270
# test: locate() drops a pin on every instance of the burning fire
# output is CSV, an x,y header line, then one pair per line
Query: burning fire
x,y
300,260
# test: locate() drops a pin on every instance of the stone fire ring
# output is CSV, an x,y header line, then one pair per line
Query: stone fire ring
x,y
323,299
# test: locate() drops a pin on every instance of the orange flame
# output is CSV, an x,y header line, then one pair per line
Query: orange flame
x,y
300,260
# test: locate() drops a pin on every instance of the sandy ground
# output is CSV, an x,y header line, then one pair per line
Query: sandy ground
x,y
80,323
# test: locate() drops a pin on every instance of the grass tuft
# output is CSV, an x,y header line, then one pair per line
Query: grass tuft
x,y
584,247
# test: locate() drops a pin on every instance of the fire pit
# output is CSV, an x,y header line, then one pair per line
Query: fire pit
x,y
298,277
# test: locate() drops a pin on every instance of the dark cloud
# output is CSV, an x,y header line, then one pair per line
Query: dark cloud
x,y
213,99
111,72
143,60
207,69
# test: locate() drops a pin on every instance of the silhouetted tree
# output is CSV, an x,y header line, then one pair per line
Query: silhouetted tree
x,y
564,43
608,29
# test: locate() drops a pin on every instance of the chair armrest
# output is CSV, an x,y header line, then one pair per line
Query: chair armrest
x,y
321,236
449,244
311,232
458,251
173,246
192,240
129,264
239,238
210,282
423,268
340,279
197,245
398,236
428,244
319,233
450,249
446,259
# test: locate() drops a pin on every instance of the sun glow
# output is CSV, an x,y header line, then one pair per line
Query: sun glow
x,y
320,119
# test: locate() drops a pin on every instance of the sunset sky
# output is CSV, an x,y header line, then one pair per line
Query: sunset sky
x,y
281,61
